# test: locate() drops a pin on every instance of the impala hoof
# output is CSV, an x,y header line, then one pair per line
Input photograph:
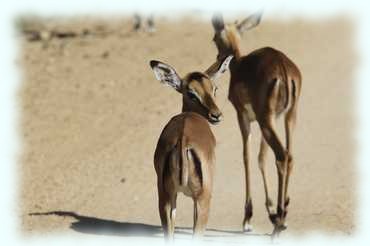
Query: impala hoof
x,y
279,224
247,227
279,227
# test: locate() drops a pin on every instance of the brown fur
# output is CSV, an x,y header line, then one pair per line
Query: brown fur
x,y
187,132
263,85
185,153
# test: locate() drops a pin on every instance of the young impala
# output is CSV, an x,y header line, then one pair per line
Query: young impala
x,y
184,156
263,85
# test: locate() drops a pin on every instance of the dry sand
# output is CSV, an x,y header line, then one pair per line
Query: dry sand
x,y
92,111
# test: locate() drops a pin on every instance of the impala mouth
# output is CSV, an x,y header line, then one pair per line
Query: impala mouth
x,y
213,119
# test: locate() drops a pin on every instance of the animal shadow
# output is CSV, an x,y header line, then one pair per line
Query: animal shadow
x,y
97,226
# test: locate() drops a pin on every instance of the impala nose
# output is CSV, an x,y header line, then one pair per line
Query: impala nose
x,y
215,117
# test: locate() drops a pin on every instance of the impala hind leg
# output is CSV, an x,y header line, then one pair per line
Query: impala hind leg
x,y
164,213
281,156
167,212
290,120
201,212
244,125
173,214
262,164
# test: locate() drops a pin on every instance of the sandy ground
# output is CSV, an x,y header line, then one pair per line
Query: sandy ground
x,y
92,111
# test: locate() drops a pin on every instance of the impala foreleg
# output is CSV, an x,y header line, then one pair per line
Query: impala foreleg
x,y
244,125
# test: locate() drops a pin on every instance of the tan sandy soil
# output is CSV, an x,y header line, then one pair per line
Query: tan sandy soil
x,y
92,111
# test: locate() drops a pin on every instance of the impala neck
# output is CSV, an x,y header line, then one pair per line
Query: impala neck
x,y
186,107
236,52
234,40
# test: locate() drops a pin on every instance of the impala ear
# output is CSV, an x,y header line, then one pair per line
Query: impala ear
x,y
166,74
218,22
250,22
218,68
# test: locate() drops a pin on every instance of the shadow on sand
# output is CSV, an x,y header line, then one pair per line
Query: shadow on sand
x,y
92,225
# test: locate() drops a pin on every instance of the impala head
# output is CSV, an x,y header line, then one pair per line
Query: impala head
x,y
227,36
197,88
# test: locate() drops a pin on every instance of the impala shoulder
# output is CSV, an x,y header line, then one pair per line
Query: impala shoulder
x,y
265,51
173,128
196,125
187,119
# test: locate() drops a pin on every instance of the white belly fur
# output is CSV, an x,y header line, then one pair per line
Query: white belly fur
x,y
250,112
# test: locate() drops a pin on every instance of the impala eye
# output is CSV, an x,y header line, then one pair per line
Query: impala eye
x,y
192,96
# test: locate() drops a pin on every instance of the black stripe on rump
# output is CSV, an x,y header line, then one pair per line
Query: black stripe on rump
x,y
197,165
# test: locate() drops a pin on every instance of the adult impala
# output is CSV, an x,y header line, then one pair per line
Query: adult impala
x,y
263,85
184,156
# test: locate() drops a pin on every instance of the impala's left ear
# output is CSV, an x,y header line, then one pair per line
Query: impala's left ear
x,y
166,74
218,68
249,22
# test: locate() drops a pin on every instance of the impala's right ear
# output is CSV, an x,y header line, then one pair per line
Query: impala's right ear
x,y
218,22
166,74
250,22
218,68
